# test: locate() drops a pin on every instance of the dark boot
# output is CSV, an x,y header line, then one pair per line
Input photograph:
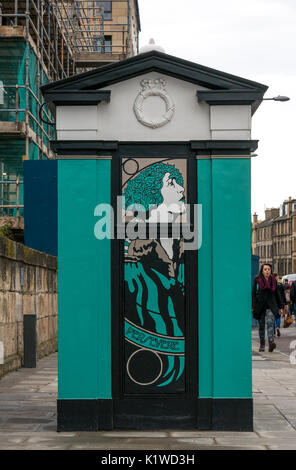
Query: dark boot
x,y
272,346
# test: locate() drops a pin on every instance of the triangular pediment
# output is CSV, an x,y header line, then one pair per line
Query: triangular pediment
x,y
153,61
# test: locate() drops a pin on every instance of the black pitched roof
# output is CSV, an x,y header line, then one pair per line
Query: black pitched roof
x,y
154,61
164,63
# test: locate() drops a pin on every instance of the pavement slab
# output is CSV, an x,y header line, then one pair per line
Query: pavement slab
x,y
28,414
189,434
266,411
273,425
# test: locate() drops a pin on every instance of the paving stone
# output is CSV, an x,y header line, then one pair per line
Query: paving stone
x,y
219,447
25,446
262,401
48,427
51,440
196,441
9,440
293,423
279,440
285,405
271,425
266,411
27,420
214,434
275,434
49,388
290,416
276,392
10,397
36,381
283,446
120,446
12,427
128,434
40,407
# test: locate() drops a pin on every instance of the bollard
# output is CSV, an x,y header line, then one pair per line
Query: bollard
x,y
30,341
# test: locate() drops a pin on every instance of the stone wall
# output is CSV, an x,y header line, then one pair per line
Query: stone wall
x,y
28,285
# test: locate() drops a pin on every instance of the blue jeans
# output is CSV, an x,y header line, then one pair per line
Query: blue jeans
x,y
267,319
277,323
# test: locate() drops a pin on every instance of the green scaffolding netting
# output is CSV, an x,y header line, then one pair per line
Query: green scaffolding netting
x,y
12,153
13,71
11,170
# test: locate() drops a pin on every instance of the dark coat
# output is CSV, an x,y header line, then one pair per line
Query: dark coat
x,y
262,299
281,292
293,292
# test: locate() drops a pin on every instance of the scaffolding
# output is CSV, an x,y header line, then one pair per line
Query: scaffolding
x,y
43,41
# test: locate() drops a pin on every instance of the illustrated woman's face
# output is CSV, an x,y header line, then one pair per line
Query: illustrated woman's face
x,y
171,191
266,271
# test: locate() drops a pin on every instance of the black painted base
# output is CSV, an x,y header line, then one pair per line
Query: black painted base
x,y
154,414
225,414
84,415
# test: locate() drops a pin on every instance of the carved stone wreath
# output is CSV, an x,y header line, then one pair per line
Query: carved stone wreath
x,y
154,88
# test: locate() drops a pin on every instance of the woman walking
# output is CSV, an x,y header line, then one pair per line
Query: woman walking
x,y
266,305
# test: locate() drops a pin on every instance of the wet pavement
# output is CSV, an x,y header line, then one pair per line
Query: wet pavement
x,y
28,412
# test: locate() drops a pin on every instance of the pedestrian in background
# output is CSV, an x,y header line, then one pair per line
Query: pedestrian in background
x,y
281,293
266,305
293,298
288,319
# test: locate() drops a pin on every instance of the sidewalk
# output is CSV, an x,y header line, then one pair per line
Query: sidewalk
x,y
28,413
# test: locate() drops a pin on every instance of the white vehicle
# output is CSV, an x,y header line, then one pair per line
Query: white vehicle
x,y
290,277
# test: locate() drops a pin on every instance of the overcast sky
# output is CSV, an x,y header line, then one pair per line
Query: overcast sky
x,y
254,39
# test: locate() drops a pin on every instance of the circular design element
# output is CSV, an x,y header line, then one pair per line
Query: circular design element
x,y
130,166
156,88
144,367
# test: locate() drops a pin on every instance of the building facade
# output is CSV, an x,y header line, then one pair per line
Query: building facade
x,y
274,239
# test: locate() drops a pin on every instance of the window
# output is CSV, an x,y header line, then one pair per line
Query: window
x,y
105,48
107,9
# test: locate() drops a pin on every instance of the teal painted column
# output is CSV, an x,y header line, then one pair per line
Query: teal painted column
x,y
225,361
205,294
84,281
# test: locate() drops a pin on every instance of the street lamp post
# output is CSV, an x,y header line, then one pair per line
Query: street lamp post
x,y
278,98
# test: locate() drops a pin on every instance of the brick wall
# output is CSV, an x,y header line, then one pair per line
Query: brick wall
x,y
28,285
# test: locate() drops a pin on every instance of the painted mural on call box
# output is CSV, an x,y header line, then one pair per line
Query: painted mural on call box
x,y
154,291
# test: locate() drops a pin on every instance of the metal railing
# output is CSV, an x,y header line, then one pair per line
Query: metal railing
x,y
18,105
9,208
61,29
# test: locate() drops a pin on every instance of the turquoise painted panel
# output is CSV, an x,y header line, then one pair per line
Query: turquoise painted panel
x,y
232,360
205,294
84,282
103,286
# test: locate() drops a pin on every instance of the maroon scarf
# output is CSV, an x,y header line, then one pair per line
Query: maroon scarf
x,y
267,284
